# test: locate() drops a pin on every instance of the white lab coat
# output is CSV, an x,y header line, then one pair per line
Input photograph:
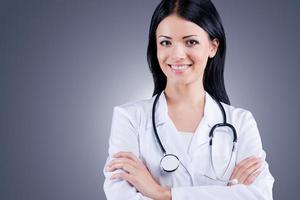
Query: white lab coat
x,y
132,131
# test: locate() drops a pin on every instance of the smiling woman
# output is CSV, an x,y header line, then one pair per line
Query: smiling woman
x,y
183,49
179,53
222,157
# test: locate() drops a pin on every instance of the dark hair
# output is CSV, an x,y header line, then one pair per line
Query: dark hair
x,y
204,14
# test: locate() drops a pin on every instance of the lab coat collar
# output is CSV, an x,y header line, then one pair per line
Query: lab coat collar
x,y
212,112
161,110
212,116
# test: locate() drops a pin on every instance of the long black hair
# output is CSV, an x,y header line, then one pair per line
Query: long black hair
x,y
204,14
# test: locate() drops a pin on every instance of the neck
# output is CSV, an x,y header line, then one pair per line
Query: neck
x,y
181,94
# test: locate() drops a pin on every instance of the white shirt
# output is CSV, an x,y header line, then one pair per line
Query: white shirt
x,y
132,131
186,138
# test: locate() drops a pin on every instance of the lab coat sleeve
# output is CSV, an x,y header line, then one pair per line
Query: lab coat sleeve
x,y
261,189
124,137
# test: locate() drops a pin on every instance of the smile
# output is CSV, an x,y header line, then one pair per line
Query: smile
x,y
180,68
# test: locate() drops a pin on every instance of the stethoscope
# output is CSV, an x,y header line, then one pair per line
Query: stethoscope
x,y
170,162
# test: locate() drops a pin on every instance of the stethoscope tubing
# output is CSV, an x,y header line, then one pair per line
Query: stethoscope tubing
x,y
211,135
154,125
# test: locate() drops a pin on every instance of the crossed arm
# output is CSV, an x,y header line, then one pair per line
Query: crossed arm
x,y
128,178
137,174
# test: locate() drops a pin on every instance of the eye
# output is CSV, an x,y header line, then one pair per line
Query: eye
x,y
165,43
192,42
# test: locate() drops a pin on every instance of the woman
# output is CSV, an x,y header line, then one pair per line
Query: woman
x,y
186,55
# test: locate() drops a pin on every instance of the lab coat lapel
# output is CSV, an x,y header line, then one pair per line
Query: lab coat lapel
x,y
212,115
167,132
212,112
161,110
199,149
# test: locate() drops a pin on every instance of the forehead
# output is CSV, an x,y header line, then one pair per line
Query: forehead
x,y
175,26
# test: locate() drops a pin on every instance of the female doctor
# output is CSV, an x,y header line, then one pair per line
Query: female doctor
x,y
186,142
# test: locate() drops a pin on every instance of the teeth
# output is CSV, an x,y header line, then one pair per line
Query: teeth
x,y
180,67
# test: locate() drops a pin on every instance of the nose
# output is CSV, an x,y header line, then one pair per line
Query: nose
x,y
178,53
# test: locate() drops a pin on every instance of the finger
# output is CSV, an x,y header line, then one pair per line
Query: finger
x,y
122,163
125,166
251,178
247,165
242,162
249,161
243,165
124,176
126,154
123,160
250,170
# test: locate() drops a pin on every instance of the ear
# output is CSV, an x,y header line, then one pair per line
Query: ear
x,y
214,44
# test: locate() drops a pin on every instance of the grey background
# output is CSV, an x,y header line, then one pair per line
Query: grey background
x,y
65,64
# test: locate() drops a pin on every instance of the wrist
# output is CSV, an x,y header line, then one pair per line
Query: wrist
x,y
168,194
164,193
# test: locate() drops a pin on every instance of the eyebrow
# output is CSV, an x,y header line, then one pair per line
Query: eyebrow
x,y
182,37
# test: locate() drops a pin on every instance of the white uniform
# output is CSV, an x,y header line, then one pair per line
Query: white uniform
x,y
132,131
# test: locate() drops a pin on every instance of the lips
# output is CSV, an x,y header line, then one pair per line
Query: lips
x,y
180,67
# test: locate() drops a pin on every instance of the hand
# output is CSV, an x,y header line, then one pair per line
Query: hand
x,y
137,174
247,170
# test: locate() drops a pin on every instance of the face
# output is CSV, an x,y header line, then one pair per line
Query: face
x,y
183,49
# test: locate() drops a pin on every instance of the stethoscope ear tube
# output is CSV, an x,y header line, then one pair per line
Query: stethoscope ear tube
x,y
170,162
211,132
224,124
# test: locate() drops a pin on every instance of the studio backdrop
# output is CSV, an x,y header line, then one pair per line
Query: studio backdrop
x,y
65,64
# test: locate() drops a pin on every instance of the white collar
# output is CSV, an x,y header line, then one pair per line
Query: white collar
x,y
212,112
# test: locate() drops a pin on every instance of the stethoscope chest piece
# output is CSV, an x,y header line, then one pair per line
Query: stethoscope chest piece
x,y
169,163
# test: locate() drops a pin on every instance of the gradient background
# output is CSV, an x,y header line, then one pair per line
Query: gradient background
x,y
65,64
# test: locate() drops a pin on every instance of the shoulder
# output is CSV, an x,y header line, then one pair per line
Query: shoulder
x,y
249,140
239,117
134,110
236,111
133,107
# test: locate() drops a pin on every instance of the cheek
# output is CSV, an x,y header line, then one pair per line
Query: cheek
x,y
161,55
199,57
